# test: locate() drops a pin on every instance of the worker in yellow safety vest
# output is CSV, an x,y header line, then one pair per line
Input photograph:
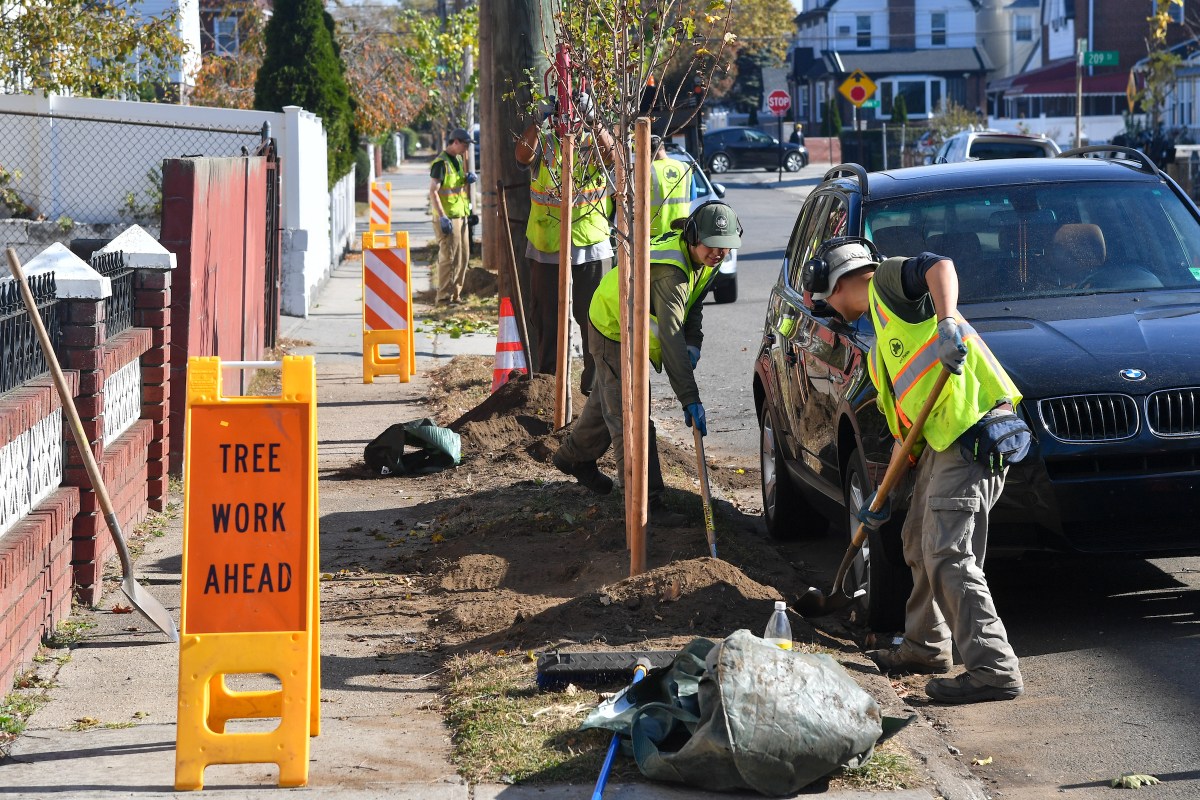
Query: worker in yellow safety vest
x,y
450,204
591,256
971,436
682,265
670,189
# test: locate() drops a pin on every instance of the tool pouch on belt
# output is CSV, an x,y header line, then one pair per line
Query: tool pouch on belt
x,y
744,714
998,439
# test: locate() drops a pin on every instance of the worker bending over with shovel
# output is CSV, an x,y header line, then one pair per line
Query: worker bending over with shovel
x,y
682,265
969,439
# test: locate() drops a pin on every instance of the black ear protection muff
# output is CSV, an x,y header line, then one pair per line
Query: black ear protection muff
x,y
814,277
691,234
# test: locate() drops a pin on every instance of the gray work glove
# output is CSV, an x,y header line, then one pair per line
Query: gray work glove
x,y
950,348
874,519
444,224
585,106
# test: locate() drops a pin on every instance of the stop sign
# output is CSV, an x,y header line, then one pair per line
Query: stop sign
x,y
779,102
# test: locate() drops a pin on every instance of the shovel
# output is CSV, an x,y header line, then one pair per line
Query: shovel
x,y
710,529
814,604
142,600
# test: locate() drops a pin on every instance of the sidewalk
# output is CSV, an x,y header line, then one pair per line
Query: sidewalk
x,y
109,727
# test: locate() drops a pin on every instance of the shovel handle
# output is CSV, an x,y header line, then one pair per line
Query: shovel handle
x,y
896,468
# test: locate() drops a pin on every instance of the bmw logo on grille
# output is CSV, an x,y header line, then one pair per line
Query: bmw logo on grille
x,y
1133,374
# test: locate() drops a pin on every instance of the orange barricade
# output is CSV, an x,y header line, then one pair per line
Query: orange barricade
x,y
249,600
387,307
381,208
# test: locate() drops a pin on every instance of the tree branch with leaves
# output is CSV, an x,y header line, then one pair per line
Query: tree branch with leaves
x,y
88,48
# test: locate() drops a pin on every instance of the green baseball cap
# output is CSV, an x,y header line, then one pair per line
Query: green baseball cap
x,y
718,226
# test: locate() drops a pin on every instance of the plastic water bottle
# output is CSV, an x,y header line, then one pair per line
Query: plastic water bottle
x,y
779,630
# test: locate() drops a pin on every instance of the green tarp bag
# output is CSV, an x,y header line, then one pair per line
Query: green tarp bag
x,y
437,448
744,714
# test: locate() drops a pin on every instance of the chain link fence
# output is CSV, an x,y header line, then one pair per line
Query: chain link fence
x,y
59,172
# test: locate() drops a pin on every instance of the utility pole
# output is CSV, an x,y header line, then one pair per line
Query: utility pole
x,y
511,42
1080,46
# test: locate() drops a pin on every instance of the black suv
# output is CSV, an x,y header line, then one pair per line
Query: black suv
x,y
1082,273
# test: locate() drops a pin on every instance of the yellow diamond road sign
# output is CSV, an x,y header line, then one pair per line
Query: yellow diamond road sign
x,y
858,88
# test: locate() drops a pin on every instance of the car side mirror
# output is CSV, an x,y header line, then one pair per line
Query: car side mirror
x,y
719,188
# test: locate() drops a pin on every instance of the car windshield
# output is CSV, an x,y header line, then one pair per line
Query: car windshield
x,y
1047,240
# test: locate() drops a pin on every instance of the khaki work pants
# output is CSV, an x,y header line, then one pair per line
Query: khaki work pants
x,y
543,313
945,540
600,423
453,249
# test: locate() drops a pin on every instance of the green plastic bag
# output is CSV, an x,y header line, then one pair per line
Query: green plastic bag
x,y
752,717
437,448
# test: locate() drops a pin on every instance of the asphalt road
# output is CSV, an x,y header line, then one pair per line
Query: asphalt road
x,y
1110,648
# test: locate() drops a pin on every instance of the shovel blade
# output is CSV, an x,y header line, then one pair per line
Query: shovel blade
x,y
814,603
153,610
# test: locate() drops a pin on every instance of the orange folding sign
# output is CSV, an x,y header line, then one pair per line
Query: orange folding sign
x,y
247,537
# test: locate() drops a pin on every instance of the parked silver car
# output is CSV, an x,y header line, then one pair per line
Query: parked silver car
x,y
986,145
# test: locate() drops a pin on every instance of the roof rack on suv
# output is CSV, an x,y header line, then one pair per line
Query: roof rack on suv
x,y
1122,153
849,169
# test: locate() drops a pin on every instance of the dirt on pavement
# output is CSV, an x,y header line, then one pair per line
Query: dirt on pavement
x,y
505,552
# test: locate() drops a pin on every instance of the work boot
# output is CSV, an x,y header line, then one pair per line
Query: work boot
x,y
965,689
659,515
585,472
895,661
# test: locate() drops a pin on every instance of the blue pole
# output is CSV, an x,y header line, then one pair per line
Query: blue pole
x,y
639,672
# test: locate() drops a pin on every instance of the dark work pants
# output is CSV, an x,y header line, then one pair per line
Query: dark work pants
x,y
600,423
543,312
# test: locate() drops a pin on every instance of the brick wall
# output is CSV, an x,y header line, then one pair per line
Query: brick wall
x,y
35,581
123,463
63,544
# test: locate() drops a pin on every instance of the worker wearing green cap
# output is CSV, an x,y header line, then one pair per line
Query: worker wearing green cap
x,y
683,262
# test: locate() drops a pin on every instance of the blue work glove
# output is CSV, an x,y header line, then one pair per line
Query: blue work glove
x,y
694,412
950,348
444,224
874,519
471,178
693,355
547,107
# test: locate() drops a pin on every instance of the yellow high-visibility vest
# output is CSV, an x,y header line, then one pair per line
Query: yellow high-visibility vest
x,y
903,365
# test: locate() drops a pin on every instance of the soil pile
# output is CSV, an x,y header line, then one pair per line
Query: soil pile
x,y
518,412
672,603
504,551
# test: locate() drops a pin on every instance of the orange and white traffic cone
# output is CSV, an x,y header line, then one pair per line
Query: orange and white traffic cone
x,y
510,355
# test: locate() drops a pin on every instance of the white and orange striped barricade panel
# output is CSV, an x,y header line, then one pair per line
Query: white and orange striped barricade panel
x,y
387,309
381,208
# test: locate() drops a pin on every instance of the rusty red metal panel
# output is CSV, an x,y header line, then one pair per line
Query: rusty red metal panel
x,y
214,220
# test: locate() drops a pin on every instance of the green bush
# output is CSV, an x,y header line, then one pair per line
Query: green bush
x,y
410,142
362,168
388,143
302,67
832,124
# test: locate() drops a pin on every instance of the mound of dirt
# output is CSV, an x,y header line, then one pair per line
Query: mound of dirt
x,y
520,410
695,597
